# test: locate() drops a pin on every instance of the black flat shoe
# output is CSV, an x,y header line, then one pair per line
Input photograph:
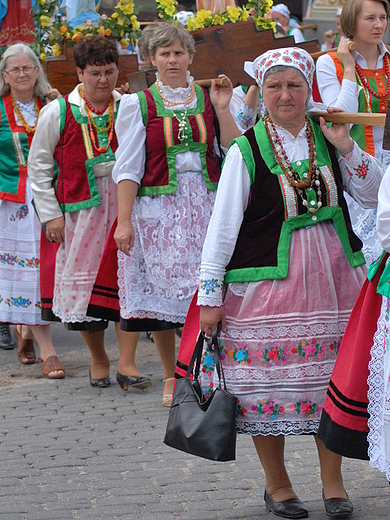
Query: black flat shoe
x,y
99,383
133,381
292,508
337,507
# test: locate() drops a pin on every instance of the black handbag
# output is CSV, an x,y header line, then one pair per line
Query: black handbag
x,y
202,426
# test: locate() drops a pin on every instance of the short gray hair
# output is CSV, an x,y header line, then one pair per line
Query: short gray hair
x,y
167,34
41,86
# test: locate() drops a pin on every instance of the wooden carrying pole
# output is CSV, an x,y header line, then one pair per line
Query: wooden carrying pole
x,y
351,119
316,55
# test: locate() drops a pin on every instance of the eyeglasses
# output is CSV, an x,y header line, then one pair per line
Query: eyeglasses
x,y
18,70
107,74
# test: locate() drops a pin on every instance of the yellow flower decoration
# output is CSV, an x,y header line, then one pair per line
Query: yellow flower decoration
x,y
45,20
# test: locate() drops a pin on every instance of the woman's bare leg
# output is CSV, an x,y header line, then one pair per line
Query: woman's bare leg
x,y
330,464
270,450
127,346
42,335
100,364
165,344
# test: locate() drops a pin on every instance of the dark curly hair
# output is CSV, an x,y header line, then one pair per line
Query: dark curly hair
x,y
95,50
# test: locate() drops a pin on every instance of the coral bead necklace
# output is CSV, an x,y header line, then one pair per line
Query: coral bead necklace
x,y
91,123
366,87
29,129
292,177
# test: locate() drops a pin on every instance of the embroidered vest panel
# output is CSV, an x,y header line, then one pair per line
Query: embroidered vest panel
x,y
75,183
377,80
275,210
162,143
15,144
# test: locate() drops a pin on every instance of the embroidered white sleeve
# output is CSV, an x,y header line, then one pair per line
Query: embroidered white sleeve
x,y
362,175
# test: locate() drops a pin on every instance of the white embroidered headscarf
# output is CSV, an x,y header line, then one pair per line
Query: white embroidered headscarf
x,y
289,57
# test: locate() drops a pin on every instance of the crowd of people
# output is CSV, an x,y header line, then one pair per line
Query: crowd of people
x,y
119,207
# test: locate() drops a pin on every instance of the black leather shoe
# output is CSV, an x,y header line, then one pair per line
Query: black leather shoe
x,y
292,508
133,381
99,383
6,341
337,507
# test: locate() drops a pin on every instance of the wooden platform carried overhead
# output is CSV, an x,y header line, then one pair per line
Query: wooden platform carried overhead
x,y
223,50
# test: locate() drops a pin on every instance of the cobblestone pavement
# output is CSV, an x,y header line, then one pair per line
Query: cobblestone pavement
x,y
69,451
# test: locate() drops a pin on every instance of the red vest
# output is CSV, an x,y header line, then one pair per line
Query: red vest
x,y
75,183
162,143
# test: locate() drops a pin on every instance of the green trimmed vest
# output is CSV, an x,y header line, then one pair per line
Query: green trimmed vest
x,y
15,144
162,143
75,183
275,210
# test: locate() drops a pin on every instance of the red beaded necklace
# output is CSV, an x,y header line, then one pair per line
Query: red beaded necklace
x,y
93,109
364,82
109,128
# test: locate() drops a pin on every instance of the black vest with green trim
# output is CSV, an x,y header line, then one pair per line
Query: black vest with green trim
x,y
163,144
275,210
75,183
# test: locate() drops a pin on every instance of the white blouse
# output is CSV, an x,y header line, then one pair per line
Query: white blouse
x,y
232,200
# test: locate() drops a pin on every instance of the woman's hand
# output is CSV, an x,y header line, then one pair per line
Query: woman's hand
x,y
347,59
220,96
329,36
55,230
210,317
124,236
52,93
338,135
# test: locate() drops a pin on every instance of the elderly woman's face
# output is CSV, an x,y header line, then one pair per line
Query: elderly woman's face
x,y
172,63
285,94
21,75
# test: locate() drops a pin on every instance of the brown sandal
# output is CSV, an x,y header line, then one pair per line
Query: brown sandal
x,y
51,364
26,350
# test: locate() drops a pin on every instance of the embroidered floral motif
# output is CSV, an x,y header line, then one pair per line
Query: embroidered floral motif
x,y
270,409
309,349
274,354
207,393
18,301
21,214
241,355
38,305
8,259
241,410
362,169
306,408
210,286
336,344
207,362
207,365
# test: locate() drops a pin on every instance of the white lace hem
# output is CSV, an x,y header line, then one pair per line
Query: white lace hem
x,y
278,428
379,429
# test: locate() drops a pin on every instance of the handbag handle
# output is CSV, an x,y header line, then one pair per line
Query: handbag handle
x,y
214,346
197,356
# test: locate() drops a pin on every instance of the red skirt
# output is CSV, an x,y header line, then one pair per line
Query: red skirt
x,y
343,427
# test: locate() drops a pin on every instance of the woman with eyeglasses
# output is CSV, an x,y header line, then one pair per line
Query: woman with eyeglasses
x,y
75,138
23,89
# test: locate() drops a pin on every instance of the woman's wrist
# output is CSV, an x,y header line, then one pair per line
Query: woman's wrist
x,y
346,150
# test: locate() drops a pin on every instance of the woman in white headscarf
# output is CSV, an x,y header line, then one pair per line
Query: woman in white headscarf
x,y
283,270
